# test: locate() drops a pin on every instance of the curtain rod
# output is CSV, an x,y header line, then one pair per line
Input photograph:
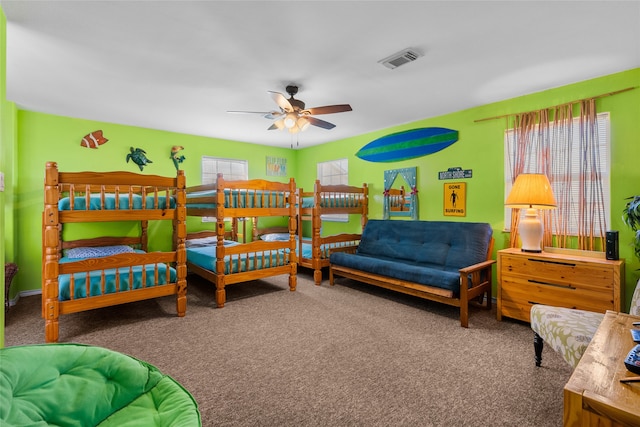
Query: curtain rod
x,y
591,97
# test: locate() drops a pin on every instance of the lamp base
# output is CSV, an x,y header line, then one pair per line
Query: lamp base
x,y
531,232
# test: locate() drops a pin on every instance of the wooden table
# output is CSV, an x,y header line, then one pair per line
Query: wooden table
x,y
594,395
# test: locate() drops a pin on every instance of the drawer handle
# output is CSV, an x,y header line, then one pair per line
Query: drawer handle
x,y
551,262
539,282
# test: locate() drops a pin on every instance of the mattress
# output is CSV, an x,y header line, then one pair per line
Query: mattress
x,y
124,201
205,257
240,199
333,200
95,280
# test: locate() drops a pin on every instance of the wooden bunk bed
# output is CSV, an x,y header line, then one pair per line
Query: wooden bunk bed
x,y
313,251
225,262
84,274
398,201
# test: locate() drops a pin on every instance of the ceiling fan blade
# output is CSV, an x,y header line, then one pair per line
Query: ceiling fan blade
x,y
266,114
281,101
329,109
320,123
278,124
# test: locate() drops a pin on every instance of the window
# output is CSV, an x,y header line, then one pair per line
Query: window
x,y
334,172
570,169
231,169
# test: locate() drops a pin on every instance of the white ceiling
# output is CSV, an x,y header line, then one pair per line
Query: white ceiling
x,y
181,65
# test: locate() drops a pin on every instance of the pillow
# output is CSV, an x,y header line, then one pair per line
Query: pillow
x,y
275,237
98,251
206,241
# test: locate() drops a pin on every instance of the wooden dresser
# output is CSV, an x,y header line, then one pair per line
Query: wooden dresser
x,y
559,277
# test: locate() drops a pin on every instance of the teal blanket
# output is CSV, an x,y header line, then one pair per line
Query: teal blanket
x,y
123,202
126,281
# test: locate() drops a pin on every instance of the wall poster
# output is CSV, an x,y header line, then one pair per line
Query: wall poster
x,y
276,166
455,199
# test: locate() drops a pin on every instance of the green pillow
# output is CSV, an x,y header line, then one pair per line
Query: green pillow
x,y
80,385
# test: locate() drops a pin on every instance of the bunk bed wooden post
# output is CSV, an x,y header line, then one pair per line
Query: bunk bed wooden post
x,y
50,253
179,237
293,203
221,294
316,226
144,235
365,206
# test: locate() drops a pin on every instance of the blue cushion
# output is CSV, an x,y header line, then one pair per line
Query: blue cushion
x,y
424,252
447,244
403,271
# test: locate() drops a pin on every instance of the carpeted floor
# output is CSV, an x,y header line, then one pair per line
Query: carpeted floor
x,y
348,355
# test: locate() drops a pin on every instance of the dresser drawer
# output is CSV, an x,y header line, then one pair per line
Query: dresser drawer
x,y
560,277
559,273
527,292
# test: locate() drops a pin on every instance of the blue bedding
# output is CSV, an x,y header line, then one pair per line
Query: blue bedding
x,y
240,199
205,257
307,250
95,278
332,201
95,202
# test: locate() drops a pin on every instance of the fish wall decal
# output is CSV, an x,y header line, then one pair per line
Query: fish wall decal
x,y
93,140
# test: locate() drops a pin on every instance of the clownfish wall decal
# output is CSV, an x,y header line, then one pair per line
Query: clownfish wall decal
x,y
93,140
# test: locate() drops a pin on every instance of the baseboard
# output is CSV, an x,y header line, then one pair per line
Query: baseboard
x,y
14,300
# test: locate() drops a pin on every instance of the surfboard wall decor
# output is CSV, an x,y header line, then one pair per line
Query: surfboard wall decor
x,y
408,144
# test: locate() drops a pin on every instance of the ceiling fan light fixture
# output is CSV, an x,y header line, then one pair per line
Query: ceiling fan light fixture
x,y
290,120
294,129
302,123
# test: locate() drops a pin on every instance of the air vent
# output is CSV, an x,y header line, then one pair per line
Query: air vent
x,y
400,58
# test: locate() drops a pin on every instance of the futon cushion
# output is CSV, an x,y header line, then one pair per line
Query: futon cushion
x,y
79,385
407,271
437,244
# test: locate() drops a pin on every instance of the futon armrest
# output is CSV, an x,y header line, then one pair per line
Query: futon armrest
x,y
477,267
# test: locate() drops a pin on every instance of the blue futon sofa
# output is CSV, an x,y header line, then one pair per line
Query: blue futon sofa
x,y
444,261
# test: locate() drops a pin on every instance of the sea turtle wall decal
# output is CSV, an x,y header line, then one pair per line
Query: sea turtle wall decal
x,y
139,157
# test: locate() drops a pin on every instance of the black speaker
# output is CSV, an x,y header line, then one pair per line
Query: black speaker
x,y
612,245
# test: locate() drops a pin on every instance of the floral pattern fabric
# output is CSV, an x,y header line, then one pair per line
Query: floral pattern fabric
x,y
569,331
566,330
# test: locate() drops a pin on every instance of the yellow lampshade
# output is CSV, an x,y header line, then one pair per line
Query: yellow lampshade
x,y
531,190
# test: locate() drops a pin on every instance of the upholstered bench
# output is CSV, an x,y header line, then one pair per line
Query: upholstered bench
x,y
568,331
79,385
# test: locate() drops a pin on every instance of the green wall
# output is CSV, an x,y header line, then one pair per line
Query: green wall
x,y
43,137
3,115
8,114
480,148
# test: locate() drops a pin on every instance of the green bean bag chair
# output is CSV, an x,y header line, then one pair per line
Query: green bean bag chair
x,y
81,385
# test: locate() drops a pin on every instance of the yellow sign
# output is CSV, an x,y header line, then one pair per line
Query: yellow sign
x,y
455,199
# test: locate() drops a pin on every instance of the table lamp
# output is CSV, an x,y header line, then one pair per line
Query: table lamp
x,y
531,191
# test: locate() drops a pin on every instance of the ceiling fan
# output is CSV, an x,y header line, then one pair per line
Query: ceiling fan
x,y
292,114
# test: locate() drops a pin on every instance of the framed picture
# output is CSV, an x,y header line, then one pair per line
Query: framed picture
x,y
276,166
455,199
